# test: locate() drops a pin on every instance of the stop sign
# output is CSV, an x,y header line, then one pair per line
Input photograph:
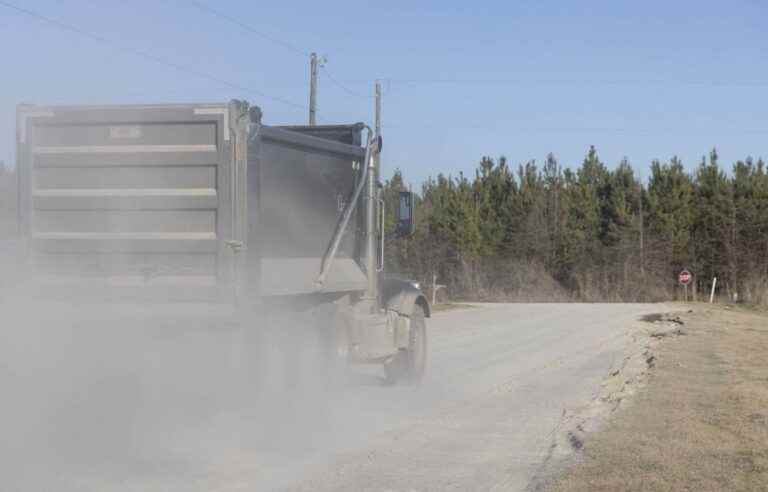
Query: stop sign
x,y
685,277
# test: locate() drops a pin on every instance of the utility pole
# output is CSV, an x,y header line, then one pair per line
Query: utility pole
x,y
373,174
377,123
313,70
642,232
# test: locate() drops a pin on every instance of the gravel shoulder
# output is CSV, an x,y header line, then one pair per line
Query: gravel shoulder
x,y
699,422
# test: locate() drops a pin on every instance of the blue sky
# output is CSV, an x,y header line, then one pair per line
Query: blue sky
x,y
643,80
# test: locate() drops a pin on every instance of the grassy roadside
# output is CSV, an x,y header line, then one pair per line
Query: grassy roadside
x,y
701,423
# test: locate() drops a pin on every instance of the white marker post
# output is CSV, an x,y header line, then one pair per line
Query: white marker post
x,y
712,294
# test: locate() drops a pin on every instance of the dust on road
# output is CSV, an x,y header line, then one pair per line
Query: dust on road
x,y
505,375
173,410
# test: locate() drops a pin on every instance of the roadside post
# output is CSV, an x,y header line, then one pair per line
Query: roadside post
x,y
435,288
684,278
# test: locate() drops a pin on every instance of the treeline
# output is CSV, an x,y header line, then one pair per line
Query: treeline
x,y
544,232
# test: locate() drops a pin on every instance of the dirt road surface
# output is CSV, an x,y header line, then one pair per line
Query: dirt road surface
x,y
175,413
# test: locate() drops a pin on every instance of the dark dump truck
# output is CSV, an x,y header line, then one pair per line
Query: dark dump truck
x,y
203,203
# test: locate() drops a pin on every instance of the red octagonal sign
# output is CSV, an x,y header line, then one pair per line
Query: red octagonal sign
x,y
685,277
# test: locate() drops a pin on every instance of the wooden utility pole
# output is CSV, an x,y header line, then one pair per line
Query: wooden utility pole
x,y
377,120
642,233
377,166
313,71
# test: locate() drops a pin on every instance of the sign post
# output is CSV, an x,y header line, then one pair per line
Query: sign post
x,y
684,278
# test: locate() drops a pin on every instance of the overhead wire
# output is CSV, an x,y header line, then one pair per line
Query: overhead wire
x,y
227,83
234,20
343,87
616,82
289,46
655,83
147,55
496,129
617,130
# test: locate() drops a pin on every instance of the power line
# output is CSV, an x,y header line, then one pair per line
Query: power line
x,y
217,13
576,129
146,55
343,87
574,82
616,82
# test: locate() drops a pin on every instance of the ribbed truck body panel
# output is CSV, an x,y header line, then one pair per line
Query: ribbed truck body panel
x,y
127,200
184,202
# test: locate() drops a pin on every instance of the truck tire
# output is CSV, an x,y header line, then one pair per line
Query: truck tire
x,y
409,364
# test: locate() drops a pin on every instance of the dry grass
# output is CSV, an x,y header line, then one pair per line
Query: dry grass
x,y
700,424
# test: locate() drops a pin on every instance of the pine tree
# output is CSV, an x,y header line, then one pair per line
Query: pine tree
x,y
713,225
599,233
670,218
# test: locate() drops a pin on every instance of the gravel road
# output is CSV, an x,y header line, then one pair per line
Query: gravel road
x,y
500,378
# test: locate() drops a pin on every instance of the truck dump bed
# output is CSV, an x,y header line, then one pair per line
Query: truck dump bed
x,y
154,202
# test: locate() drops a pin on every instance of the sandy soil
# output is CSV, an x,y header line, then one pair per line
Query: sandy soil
x,y
701,421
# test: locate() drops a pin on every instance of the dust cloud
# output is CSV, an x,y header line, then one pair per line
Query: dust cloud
x,y
102,391
116,397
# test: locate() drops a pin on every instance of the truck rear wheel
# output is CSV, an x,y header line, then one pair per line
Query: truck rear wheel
x,y
409,364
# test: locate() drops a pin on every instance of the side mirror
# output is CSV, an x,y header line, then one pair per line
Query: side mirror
x,y
406,221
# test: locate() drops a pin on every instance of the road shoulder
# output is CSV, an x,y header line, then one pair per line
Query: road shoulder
x,y
699,421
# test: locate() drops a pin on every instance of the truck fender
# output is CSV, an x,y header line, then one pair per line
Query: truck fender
x,y
402,296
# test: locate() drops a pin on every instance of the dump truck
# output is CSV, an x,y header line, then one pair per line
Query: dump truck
x,y
204,203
